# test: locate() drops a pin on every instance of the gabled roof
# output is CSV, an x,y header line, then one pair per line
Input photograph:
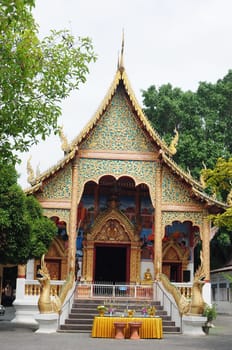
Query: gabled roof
x,y
165,153
120,76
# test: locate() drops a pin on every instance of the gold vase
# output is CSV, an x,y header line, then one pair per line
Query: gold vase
x,y
101,313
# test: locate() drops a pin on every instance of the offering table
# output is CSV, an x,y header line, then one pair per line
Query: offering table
x,y
151,327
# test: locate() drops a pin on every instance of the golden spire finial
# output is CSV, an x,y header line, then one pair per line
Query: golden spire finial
x,y
38,171
64,142
30,173
174,142
121,63
202,176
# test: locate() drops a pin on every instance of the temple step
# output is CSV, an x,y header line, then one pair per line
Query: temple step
x,y
80,319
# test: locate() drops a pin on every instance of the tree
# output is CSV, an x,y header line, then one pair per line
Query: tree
x,y
24,232
203,119
218,181
35,76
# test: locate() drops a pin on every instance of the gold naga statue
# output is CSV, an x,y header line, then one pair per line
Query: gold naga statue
x,y
46,303
196,305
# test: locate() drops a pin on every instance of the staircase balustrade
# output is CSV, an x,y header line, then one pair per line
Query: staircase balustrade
x,y
110,290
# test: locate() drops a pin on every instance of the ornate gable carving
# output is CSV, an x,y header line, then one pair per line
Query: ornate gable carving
x,y
112,225
118,129
112,230
173,252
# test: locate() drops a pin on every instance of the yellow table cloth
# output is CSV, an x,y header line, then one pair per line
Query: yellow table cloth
x,y
103,327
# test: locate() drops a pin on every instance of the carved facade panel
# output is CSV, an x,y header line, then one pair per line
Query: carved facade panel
x,y
58,186
63,214
173,190
195,217
113,225
112,231
118,129
171,255
94,169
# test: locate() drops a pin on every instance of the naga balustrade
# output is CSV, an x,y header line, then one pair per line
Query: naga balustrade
x,y
105,289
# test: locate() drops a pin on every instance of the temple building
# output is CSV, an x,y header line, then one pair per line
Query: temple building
x,y
120,202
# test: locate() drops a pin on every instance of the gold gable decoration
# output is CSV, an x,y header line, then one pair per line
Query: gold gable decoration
x,y
174,142
113,225
112,231
172,251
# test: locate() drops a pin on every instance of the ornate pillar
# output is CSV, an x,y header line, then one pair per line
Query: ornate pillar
x,y
206,245
89,262
158,221
73,220
135,257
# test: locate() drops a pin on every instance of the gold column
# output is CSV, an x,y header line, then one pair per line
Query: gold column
x,y
89,262
135,257
206,245
21,271
158,222
73,220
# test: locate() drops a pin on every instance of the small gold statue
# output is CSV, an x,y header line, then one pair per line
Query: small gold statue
x,y
147,276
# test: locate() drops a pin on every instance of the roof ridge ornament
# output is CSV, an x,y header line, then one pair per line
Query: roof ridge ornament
x,y
174,142
30,172
121,63
64,142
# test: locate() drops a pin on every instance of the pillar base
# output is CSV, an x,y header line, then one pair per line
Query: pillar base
x,y
48,323
192,325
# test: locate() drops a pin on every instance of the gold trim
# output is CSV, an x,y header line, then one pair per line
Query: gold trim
x,y
119,155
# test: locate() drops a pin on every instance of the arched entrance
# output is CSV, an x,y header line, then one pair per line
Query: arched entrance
x,y
111,263
112,249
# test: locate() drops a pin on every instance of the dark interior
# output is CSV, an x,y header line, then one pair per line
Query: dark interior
x,y
110,264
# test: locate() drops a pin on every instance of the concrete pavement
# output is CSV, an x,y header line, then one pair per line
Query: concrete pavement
x,y
15,338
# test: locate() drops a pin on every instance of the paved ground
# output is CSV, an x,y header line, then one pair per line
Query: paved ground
x,y
15,338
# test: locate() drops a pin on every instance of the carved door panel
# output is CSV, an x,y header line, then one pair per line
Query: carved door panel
x,y
166,270
54,268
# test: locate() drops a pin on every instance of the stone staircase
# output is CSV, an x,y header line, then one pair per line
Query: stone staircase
x,y
81,317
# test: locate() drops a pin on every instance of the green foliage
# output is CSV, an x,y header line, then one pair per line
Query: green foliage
x,y
24,232
203,119
219,181
210,312
35,76
228,277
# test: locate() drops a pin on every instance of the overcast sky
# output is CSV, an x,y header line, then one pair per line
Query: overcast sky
x,y
181,42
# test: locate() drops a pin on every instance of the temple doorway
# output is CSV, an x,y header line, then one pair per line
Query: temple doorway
x,y
173,271
111,264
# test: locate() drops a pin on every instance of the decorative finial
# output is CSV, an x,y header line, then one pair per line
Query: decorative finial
x,y
174,142
38,173
30,172
202,176
189,171
121,63
64,142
